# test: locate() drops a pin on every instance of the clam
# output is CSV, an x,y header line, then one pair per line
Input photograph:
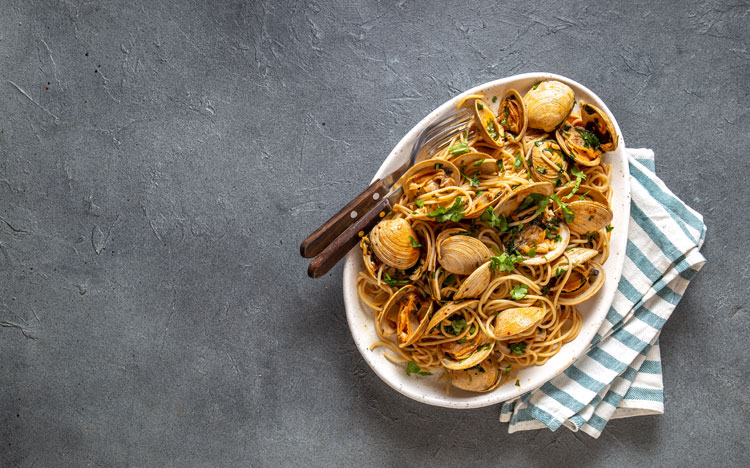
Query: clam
x,y
511,201
479,355
480,378
584,281
429,175
461,254
409,310
475,283
586,139
490,130
586,216
548,103
392,243
575,256
545,250
512,116
547,161
447,310
471,163
517,320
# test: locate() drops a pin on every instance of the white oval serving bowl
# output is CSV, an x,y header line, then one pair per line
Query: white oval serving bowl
x,y
430,390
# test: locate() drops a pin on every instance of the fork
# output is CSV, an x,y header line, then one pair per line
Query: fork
x,y
331,241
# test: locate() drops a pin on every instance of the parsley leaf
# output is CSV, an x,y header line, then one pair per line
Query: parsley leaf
x,y
507,370
609,228
504,262
579,177
539,200
457,325
568,214
414,243
474,181
495,221
517,348
519,292
532,252
590,140
419,203
519,160
443,214
500,165
518,383
394,282
413,368
459,148
491,129
478,163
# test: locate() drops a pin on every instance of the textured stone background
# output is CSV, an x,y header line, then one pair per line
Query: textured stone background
x,y
161,161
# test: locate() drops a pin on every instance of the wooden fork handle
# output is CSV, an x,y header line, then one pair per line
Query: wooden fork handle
x,y
336,250
353,211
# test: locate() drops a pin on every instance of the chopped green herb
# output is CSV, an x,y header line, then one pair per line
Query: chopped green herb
x,y
519,292
494,98
414,243
478,163
495,221
472,329
394,282
609,228
545,289
500,165
579,175
591,217
413,368
559,271
590,140
504,262
480,193
517,348
443,214
536,85
539,143
491,129
507,369
518,383
419,203
474,181
568,214
519,160
461,341
459,148
541,170
450,280
438,166
532,252
480,106
457,325
539,200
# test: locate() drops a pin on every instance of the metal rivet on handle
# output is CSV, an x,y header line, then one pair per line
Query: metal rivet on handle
x,y
375,196
353,214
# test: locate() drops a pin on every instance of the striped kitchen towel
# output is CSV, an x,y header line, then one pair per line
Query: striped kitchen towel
x,y
620,374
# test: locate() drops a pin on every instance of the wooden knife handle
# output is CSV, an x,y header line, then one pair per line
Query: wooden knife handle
x,y
336,250
330,230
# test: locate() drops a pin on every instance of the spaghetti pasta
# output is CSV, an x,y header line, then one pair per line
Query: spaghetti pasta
x,y
479,267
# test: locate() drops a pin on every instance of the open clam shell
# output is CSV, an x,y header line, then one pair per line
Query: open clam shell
x,y
489,128
597,122
429,175
547,161
512,116
479,355
588,216
406,314
549,249
483,377
582,284
475,283
511,201
516,321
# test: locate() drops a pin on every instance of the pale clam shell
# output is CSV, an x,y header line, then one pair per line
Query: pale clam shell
x,y
549,104
391,243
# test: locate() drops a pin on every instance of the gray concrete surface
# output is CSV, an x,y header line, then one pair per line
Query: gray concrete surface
x,y
161,161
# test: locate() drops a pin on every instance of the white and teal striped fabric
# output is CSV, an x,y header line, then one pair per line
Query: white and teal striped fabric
x,y
620,375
